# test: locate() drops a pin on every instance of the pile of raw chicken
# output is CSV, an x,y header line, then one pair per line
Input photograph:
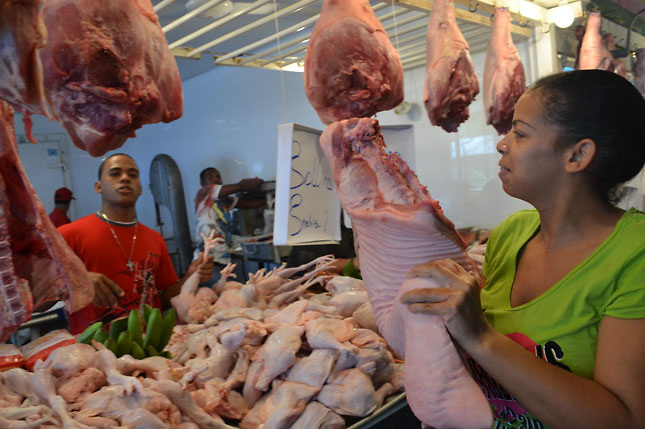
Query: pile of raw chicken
x,y
267,353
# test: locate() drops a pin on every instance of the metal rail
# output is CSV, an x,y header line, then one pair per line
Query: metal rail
x,y
405,22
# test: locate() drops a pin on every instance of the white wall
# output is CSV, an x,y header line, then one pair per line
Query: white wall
x,y
230,122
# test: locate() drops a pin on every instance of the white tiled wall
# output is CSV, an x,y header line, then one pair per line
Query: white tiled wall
x,y
230,122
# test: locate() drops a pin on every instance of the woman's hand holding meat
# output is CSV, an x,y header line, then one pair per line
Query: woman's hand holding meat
x,y
455,300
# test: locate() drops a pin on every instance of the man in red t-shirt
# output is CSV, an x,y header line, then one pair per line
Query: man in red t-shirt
x,y
128,263
62,199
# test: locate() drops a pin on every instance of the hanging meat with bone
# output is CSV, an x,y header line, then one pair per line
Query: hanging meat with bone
x,y
451,84
397,226
504,80
36,265
108,70
22,35
593,53
351,68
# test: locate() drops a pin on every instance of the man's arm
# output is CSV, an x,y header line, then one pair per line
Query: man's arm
x,y
244,185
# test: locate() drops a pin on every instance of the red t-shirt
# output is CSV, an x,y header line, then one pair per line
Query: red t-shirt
x,y
59,217
91,239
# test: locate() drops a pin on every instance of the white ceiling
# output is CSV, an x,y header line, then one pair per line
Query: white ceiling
x,y
258,46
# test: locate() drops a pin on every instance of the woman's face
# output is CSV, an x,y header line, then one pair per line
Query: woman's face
x,y
530,167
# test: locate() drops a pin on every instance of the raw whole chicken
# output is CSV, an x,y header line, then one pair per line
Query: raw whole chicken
x,y
193,303
451,84
37,265
351,68
22,35
397,226
108,70
593,53
504,80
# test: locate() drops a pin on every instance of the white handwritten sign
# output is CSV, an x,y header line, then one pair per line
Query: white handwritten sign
x,y
307,208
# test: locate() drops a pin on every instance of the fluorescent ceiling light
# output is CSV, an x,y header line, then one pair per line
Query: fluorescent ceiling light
x,y
294,67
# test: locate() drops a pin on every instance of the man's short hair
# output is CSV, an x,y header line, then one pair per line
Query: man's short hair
x,y
112,156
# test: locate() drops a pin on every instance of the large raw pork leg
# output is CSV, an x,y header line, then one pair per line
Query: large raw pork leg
x,y
36,265
397,225
108,70
22,35
504,80
451,84
351,68
593,53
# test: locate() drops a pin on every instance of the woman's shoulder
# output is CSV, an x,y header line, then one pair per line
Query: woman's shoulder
x,y
634,220
518,222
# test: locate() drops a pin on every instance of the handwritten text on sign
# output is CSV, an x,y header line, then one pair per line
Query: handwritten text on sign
x,y
308,210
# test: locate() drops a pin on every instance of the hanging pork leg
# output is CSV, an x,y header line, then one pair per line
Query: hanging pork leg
x,y
451,84
351,68
397,226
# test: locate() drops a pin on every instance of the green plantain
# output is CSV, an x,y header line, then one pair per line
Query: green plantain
x,y
153,330
123,344
117,326
151,351
167,325
88,334
137,351
134,326
100,336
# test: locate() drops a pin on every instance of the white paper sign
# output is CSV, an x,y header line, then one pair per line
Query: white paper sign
x,y
307,208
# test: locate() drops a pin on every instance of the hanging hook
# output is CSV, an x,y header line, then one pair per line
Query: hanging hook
x,y
471,8
524,23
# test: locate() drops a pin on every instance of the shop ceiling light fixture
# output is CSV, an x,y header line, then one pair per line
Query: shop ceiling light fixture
x,y
563,14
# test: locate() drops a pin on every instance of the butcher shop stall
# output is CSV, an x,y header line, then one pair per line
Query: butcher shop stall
x,y
373,126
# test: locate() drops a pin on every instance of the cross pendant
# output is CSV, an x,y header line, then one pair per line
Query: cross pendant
x,y
130,265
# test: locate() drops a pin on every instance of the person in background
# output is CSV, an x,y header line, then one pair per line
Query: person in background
x,y
213,205
557,333
128,263
62,199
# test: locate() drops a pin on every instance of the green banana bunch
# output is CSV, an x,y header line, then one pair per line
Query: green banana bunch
x,y
125,335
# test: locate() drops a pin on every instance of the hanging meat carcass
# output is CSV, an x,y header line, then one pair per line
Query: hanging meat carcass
x,y
108,70
504,80
397,226
593,53
351,68
22,35
451,84
36,265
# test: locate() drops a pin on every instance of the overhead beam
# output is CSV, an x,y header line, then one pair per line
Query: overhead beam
x,y
474,17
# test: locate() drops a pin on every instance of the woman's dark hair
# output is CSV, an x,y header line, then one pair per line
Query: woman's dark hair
x,y
112,156
605,108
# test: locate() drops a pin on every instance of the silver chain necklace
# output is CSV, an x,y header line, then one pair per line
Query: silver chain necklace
x,y
130,264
